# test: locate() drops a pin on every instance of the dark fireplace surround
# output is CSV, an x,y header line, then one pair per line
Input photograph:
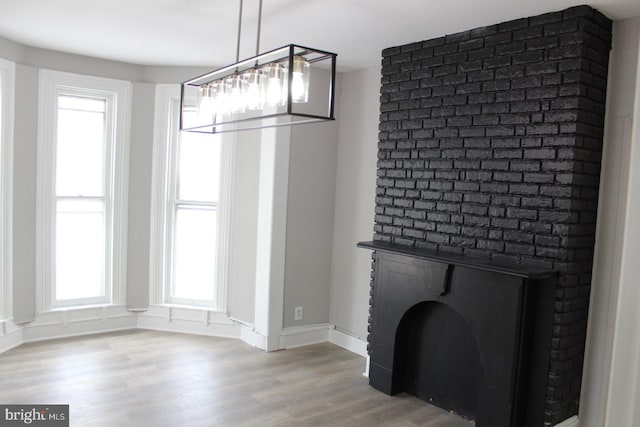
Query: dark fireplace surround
x,y
489,151
467,335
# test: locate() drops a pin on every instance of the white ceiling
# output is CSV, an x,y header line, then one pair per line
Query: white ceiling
x,y
203,32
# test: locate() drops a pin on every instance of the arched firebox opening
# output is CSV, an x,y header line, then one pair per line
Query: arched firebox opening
x,y
437,358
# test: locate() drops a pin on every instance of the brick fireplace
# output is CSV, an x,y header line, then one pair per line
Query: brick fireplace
x,y
489,147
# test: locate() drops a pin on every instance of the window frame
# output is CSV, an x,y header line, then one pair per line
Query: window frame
x,y
165,161
117,94
7,102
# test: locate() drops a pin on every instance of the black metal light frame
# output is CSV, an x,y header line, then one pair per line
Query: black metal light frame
x,y
317,109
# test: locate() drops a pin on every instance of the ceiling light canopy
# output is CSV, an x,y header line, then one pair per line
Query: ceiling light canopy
x,y
286,86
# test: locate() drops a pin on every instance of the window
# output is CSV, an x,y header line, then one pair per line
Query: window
x,y
189,230
82,184
7,72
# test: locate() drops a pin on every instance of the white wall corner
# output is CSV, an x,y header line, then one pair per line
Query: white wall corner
x,y
271,235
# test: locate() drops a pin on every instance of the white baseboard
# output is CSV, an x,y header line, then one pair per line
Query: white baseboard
x,y
10,335
249,335
85,321
300,336
188,321
569,422
348,342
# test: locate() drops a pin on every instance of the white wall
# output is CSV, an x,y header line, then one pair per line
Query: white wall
x,y
312,178
24,193
355,200
140,166
612,363
244,227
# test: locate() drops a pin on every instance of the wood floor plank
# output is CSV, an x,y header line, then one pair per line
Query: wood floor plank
x,y
148,378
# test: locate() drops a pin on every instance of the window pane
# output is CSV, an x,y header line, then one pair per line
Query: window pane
x,y
82,103
80,249
194,254
198,167
80,147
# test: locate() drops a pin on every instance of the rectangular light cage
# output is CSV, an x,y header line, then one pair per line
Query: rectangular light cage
x,y
286,86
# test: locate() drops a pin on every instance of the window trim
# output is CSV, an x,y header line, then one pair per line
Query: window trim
x,y
7,100
165,123
51,84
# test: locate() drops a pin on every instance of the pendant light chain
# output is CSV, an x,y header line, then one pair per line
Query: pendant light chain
x,y
239,32
240,29
259,28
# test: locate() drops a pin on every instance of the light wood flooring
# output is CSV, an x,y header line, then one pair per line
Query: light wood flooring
x,y
148,378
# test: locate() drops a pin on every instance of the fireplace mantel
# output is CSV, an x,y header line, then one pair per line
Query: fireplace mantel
x,y
519,270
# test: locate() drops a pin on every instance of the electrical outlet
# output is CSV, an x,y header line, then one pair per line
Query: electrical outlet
x,y
297,313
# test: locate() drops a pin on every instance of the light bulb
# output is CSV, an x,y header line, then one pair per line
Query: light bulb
x,y
300,80
274,83
206,103
222,98
253,94
235,88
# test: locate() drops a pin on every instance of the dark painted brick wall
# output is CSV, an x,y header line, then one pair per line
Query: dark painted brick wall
x,y
490,144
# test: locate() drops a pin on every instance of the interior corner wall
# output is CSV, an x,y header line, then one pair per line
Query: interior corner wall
x,y
24,193
244,227
312,171
608,381
139,205
358,113
624,385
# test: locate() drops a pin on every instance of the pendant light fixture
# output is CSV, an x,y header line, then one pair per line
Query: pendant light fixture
x,y
285,86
